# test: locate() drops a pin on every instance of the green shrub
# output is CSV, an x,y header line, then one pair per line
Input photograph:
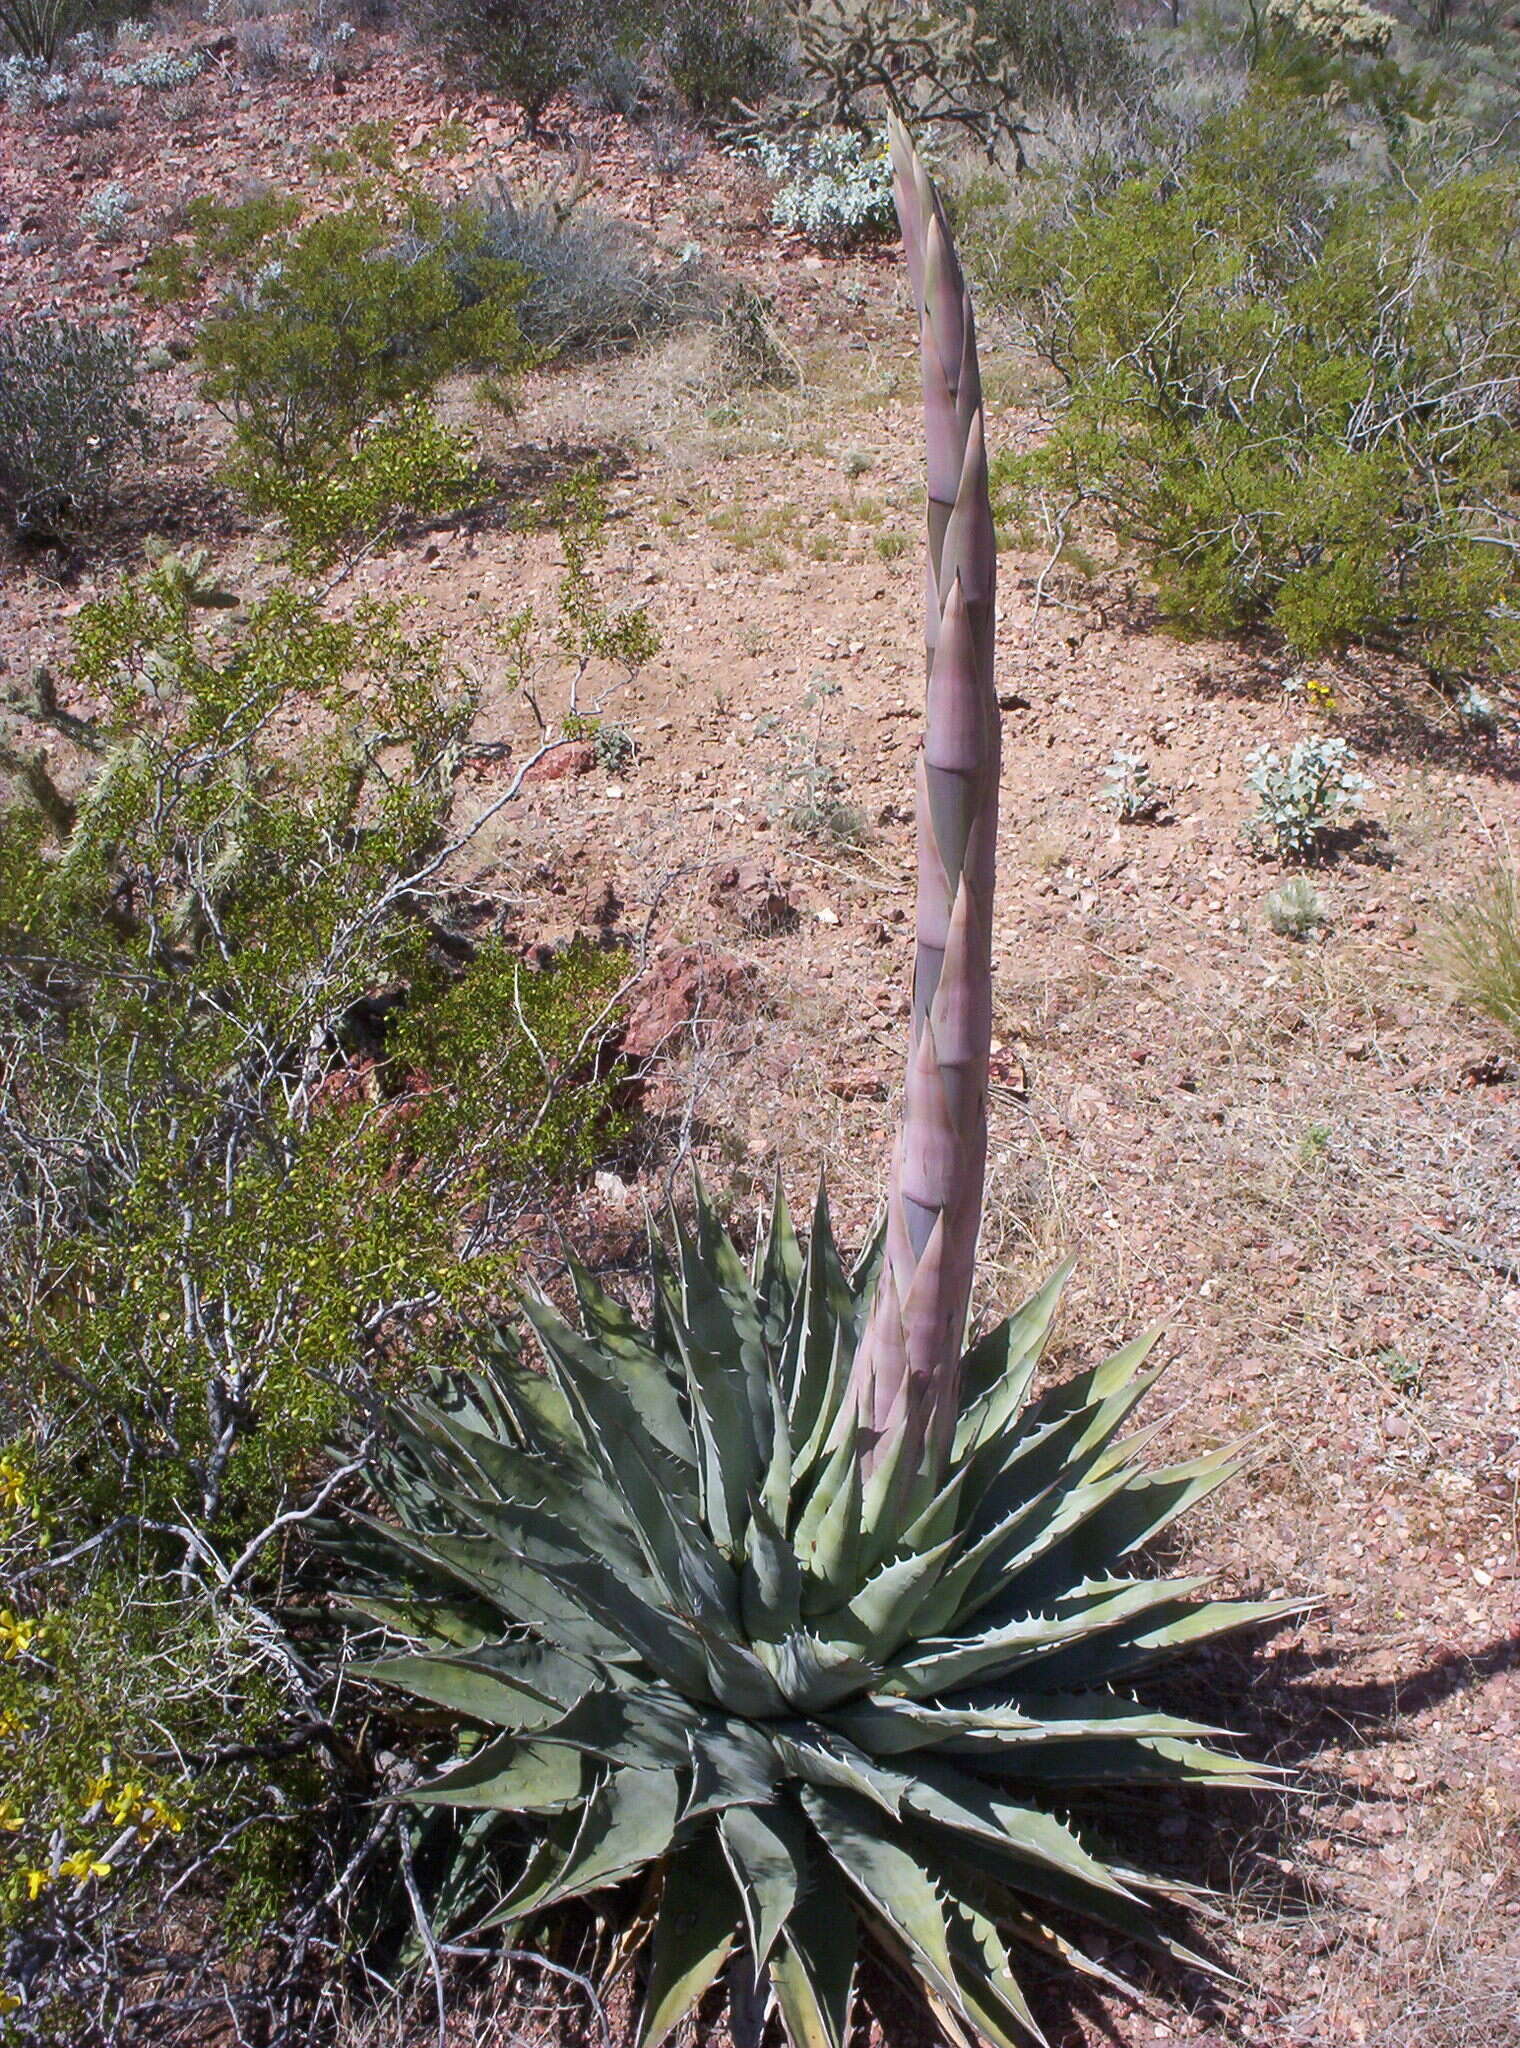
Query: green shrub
x,y
68,418
325,349
265,1142
1298,394
723,55
530,50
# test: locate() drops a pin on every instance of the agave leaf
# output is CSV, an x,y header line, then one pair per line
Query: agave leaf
x,y
770,1585
669,1645
663,1513
813,1675
813,1968
641,1370
732,1763
1127,1517
780,1270
510,1400
884,1610
487,1686
629,1821
722,1349
1005,1729
509,1776
767,1852
828,1535
1066,1430
510,1585
1136,1760
739,1674
544,1859
819,1447
1169,1624
891,1880
693,1934
1012,1564
436,1623
990,1994
997,1370
820,1758
649,1728
1015,1834
943,1664
566,1484
470,1884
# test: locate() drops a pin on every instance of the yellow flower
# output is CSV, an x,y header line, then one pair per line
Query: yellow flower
x,y
12,1486
15,1636
125,1804
83,1867
9,2002
1319,693
10,1820
155,1816
37,1882
11,1725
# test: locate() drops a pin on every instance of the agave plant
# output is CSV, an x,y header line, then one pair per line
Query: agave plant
x,y
790,1605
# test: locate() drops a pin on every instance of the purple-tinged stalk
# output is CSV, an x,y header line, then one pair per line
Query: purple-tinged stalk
x,y
907,1368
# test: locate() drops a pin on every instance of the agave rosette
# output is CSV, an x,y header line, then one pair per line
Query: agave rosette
x,y
699,1645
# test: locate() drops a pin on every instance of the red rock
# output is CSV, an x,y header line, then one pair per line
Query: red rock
x,y
749,892
684,989
575,759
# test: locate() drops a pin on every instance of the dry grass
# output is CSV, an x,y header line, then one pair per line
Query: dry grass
x,y
1478,947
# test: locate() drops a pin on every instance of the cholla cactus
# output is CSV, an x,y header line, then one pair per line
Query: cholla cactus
x,y
1343,27
907,1372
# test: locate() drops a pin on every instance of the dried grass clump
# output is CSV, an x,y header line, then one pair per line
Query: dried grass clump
x,y
1478,946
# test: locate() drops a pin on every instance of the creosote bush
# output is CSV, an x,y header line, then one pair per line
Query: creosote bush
x,y
326,347
531,50
1297,392
722,56
69,416
270,1121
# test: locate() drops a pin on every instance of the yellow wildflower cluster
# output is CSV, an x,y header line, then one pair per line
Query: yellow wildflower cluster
x,y
127,1804
1319,693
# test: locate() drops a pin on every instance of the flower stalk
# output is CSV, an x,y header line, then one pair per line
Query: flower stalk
x,y
907,1368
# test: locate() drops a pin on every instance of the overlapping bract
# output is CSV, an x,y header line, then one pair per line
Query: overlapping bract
x,y
907,1381
818,1705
